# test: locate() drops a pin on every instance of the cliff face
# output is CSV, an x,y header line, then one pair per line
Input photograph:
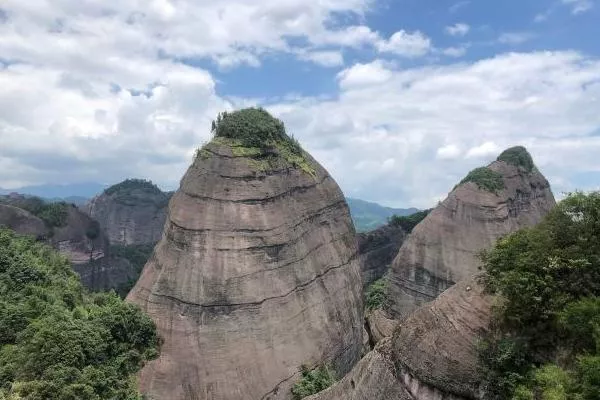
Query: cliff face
x,y
377,250
442,249
256,274
21,221
431,356
132,212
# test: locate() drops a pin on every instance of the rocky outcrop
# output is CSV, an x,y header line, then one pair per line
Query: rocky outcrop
x,y
431,356
71,239
491,202
377,250
132,212
21,221
256,274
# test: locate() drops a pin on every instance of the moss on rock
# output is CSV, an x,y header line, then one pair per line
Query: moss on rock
x,y
518,156
485,179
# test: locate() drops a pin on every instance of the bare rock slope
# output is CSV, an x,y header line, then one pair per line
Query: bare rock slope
x,y
21,221
377,250
131,212
256,274
503,197
431,356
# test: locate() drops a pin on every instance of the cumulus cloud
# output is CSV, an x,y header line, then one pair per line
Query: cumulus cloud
x,y
448,152
364,74
486,150
406,44
459,29
514,38
323,58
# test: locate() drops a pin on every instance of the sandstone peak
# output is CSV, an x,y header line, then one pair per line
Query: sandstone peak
x,y
490,202
256,273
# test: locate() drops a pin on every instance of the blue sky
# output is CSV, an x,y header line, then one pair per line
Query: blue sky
x,y
397,99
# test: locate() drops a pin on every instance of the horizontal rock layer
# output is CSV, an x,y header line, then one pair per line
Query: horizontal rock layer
x,y
256,274
377,250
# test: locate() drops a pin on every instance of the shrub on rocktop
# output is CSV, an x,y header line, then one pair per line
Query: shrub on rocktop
x,y
253,127
518,156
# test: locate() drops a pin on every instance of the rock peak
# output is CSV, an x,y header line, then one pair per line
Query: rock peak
x,y
519,157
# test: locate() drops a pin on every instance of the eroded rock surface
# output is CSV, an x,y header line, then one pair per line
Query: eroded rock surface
x,y
431,356
377,250
256,274
21,221
442,249
132,212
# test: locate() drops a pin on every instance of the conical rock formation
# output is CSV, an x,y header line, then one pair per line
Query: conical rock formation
x,y
256,274
491,202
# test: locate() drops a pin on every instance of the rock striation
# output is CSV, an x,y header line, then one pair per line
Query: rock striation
x,y
256,273
132,212
377,250
503,197
431,356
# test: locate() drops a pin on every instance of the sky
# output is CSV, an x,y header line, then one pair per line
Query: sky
x,y
398,99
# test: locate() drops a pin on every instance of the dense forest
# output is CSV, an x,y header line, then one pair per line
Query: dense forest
x,y
56,340
544,342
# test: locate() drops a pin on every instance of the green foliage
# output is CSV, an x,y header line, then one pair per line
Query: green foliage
x,y
253,127
312,381
132,192
518,156
375,296
93,230
410,221
549,279
53,214
56,340
253,133
485,179
137,255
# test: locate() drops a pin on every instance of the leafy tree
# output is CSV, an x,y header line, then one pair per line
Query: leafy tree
x,y
56,340
518,156
547,328
312,381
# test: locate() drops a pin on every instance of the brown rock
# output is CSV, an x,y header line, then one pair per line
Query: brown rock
x,y
377,250
21,221
131,212
256,274
380,325
442,249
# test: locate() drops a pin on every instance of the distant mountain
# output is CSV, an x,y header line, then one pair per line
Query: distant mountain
x,y
64,192
368,216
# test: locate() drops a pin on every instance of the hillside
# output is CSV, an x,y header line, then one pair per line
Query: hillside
x,y
368,216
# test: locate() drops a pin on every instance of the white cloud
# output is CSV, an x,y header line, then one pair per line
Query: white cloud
x,y
351,36
458,6
579,6
406,44
459,29
364,74
422,117
514,38
487,149
448,152
454,51
323,58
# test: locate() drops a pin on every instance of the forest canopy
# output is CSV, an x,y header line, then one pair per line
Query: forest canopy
x,y
56,340
545,335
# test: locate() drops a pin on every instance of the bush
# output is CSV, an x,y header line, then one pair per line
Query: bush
x,y
375,296
518,156
485,179
254,127
312,381
56,340
549,278
410,221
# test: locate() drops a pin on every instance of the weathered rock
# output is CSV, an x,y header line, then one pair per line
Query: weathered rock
x,y
442,249
373,378
380,325
21,221
131,212
256,274
431,356
377,250
107,273
437,344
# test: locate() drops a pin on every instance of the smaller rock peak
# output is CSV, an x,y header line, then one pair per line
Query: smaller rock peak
x,y
252,127
519,157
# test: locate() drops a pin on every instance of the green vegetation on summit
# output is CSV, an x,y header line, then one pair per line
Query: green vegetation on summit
x,y
518,156
137,191
544,342
56,340
254,133
53,214
485,179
